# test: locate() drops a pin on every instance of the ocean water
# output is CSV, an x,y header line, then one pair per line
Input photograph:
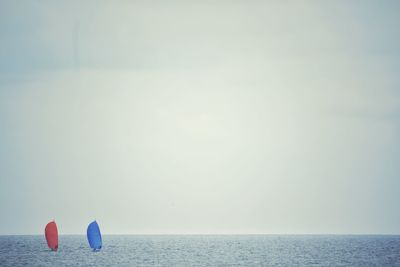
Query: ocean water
x,y
204,250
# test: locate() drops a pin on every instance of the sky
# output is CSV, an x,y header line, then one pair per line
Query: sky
x,y
200,117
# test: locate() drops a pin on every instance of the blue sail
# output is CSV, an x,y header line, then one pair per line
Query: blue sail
x,y
94,236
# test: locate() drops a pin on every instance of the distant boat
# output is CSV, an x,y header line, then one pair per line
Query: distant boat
x,y
51,234
94,236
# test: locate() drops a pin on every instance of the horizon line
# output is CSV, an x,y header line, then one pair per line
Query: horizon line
x,y
220,234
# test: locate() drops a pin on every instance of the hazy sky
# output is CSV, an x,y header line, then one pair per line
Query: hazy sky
x,y
197,117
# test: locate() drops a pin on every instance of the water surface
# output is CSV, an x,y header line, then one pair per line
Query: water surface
x,y
204,250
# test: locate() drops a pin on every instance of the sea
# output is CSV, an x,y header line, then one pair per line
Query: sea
x,y
205,250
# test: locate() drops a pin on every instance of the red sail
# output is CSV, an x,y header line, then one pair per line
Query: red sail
x,y
51,234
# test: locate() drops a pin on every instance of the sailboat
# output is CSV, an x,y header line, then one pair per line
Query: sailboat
x,y
94,236
51,234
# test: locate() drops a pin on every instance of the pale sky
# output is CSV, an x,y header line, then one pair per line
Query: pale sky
x,y
202,118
